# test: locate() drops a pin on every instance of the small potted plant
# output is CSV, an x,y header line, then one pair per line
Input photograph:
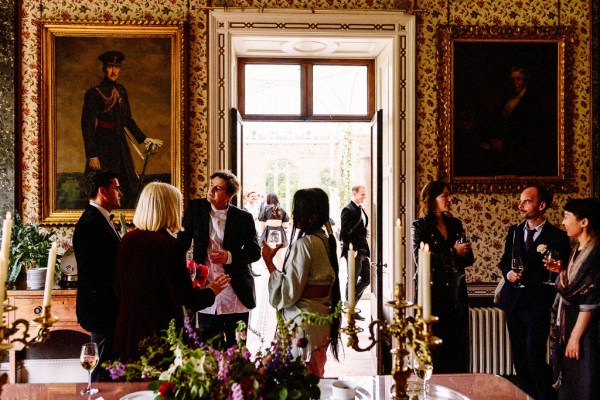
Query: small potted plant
x,y
29,249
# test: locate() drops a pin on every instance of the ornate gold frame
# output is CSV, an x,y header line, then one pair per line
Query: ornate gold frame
x,y
450,36
92,38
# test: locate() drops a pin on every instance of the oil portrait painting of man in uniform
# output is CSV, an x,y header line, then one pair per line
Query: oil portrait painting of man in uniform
x,y
114,110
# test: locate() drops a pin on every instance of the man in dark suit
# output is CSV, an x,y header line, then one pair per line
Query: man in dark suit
x,y
95,242
354,230
224,239
528,308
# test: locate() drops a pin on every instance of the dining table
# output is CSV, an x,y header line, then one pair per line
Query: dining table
x,y
441,386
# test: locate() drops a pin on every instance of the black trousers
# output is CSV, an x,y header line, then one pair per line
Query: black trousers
x,y
363,275
528,340
220,328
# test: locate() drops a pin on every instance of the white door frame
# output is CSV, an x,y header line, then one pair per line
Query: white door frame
x,y
397,32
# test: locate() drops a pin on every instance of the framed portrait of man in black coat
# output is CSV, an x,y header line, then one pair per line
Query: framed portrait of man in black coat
x,y
505,107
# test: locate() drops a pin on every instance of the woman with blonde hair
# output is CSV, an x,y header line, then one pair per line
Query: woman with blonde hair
x,y
151,278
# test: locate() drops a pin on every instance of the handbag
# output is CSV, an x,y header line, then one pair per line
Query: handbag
x,y
498,291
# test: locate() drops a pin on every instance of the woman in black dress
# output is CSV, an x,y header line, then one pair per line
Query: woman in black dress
x,y
449,258
576,325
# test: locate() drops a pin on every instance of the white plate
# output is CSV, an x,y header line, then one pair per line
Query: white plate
x,y
361,394
143,395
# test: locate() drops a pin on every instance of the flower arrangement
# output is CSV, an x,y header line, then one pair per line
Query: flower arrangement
x,y
180,367
201,273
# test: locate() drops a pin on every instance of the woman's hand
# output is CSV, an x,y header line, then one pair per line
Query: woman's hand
x,y
572,350
462,249
220,283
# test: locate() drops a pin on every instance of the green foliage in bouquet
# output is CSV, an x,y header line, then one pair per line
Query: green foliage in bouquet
x,y
180,367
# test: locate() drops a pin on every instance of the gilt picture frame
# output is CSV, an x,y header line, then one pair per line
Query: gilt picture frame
x,y
506,108
152,88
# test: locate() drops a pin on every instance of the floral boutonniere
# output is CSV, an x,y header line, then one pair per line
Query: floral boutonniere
x,y
542,248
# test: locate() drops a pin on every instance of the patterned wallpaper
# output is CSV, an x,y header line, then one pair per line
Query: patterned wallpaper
x,y
7,106
486,216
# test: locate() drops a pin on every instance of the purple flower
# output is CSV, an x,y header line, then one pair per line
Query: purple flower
x,y
116,372
237,392
192,336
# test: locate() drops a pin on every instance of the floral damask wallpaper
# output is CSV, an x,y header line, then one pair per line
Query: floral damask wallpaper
x,y
486,216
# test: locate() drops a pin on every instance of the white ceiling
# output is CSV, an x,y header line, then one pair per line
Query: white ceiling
x,y
311,47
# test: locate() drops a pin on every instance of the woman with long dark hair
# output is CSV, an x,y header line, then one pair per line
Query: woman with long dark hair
x,y
449,258
273,217
309,280
575,338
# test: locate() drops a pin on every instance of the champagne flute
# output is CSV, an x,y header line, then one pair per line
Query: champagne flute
x,y
89,359
274,238
423,371
517,267
192,271
553,263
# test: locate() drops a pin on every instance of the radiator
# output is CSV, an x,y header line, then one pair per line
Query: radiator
x,y
490,345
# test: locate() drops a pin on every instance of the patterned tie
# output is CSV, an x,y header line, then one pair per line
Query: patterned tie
x,y
530,233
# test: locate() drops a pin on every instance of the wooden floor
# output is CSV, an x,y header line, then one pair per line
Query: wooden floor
x,y
262,330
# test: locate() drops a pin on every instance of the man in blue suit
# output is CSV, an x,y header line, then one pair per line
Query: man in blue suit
x,y
95,242
225,240
524,297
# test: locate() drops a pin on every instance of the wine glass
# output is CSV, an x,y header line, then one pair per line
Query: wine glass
x,y
274,238
192,271
553,263
517,267
464,238
423,371
89,359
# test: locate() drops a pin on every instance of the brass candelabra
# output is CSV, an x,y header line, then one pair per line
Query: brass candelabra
x,y
412,332
18,331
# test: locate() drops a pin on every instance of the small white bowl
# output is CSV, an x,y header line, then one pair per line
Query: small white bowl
x,y
343,390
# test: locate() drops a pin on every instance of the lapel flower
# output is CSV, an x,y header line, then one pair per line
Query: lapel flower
x,y
542,248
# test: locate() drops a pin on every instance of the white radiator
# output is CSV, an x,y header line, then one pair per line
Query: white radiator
x,y
490,345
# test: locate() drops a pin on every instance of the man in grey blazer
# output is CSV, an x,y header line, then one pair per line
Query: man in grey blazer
x,y
225,240
96,242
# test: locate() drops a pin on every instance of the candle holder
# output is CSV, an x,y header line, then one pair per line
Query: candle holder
x,y
18,331
412,333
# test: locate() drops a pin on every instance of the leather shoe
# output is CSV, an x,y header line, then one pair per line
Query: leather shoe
x,y
359,317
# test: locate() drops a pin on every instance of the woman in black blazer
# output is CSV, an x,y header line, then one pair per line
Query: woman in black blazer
x,y
449,258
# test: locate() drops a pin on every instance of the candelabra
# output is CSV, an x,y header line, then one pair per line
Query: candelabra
x,y
412,332
18,331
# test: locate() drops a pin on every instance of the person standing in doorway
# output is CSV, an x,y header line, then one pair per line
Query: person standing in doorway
x,y
96,242
224,238
525,298
354,229
105,122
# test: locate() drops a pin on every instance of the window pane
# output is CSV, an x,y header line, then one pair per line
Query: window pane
x,y
272,89
339,90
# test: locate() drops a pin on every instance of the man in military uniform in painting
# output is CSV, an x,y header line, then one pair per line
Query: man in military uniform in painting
x,y
104,120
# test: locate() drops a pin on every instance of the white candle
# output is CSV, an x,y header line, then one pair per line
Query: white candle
x,y
6,233
351,279
50,275
426,283
420,275
398,267
3,272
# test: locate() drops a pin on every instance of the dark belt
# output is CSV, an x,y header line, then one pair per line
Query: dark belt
x,y
107,124
315,291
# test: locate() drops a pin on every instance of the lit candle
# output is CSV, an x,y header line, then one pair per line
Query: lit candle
x,y
420,275
426,283
50,275
6,233
398,267
3,272
351,279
